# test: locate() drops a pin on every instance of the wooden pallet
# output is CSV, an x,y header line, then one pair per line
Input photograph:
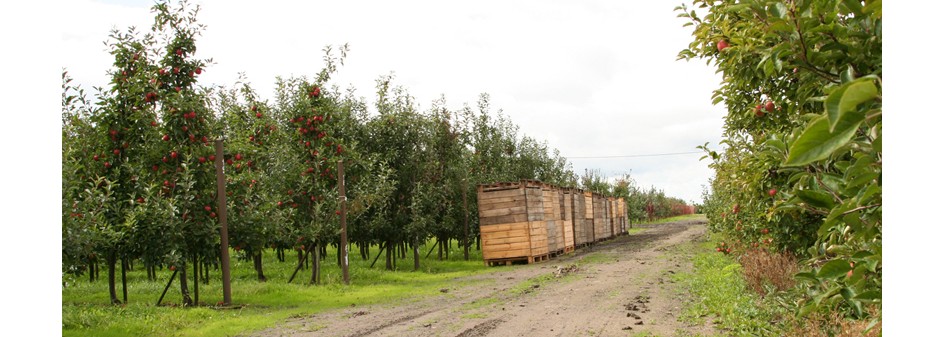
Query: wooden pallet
x,y
517,260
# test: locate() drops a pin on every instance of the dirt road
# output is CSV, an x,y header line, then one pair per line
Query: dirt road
x,y
620,287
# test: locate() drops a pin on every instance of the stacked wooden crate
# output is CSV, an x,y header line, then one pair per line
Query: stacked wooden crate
x,y
512,222
567,223
583,229
552,217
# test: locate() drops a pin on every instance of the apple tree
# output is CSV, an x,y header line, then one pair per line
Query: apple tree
x,y
802,167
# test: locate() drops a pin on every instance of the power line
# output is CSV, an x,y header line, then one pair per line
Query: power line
x,y
637,155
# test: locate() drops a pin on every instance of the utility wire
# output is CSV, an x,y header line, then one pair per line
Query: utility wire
x,y
637,155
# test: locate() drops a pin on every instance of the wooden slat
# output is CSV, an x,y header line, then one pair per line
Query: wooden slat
x,y
502,227
490,241
514,233
502,211
500,194
502,219
508,204
504,254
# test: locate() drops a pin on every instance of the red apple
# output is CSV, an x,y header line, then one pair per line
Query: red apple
x,y
166,138
772,192
722,45
207,208
174,154
769,106
758,111
212,157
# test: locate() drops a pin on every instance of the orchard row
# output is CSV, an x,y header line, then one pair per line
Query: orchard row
x,y
139,174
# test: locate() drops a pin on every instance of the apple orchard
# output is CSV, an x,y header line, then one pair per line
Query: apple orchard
x,y
139,175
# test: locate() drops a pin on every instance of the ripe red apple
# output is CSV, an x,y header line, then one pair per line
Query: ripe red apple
x,y
184,128
239,156
769,106
177,89
213,214
229,161
758,111
722,45
140,200
735,209
764,231
95,157
198,70
212,157
207,208
718,249
259,115
153,123
174,154
279,204
179,52
166,138
772,192
108,165
154,168
172,268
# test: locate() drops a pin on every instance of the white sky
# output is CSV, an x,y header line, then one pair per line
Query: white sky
x,y
592,78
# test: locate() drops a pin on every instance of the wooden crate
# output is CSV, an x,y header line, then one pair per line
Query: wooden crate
x,y
512,222
597,214
552,216
589,221
583,229
622,215
567,221
612,216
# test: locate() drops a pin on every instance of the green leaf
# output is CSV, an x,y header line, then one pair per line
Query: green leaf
x,y
816,198
845,99
834,269
817,142
869,295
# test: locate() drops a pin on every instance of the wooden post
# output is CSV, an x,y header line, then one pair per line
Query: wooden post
x,y
344,225
224,235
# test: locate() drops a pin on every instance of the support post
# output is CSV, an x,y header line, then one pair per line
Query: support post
x,y
344,225
224,235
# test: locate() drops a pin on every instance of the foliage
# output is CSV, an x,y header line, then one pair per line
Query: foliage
x,y
802,166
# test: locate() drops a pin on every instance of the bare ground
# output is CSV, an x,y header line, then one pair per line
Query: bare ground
x,y
619,287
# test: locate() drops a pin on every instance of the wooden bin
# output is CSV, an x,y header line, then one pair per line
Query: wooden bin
x,y
512,222
601,225
590,203
622,215
583,229
553,218
567,221
612,216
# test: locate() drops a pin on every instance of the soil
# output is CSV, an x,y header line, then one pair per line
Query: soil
x,y
624,288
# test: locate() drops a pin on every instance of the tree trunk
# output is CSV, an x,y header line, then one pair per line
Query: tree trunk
x,y
390,264
184,290
196,281
439,250
124,281
416,256
257,263
338,259
448,246
111,260
316,266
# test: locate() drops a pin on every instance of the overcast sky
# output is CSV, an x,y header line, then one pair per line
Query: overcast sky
x,y
592,78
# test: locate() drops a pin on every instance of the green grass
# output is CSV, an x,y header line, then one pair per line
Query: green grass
x,y
719,292
257,305
675,218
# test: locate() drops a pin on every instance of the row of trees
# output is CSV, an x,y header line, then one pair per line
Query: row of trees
x,y
801,171
139,181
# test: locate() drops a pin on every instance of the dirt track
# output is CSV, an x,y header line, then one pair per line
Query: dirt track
x,y
625,290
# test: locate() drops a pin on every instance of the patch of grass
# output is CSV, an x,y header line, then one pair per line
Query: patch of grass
x,y
718,290
257,305
479,303
675,218
475,316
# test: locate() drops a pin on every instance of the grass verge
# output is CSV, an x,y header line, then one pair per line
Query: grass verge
x,y
257,305
719,291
